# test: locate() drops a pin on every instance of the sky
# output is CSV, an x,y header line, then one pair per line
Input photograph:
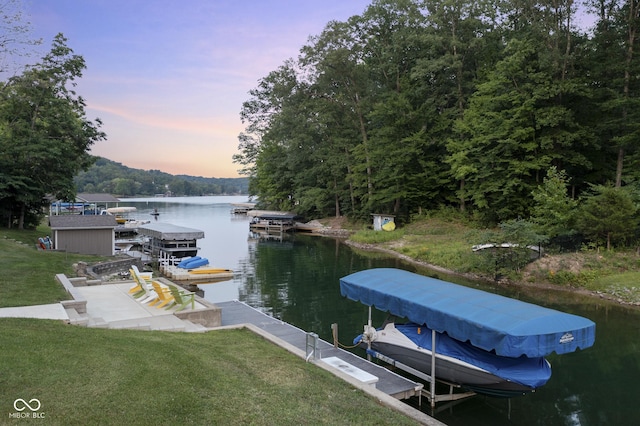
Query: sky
x,y
168,77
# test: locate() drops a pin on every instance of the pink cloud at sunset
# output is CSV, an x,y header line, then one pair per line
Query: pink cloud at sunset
x,y
168,77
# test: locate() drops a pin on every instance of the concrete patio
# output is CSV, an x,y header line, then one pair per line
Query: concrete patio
x,y
111,306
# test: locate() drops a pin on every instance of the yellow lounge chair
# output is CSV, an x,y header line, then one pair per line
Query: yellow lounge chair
x,y
137,290
181,298
164,295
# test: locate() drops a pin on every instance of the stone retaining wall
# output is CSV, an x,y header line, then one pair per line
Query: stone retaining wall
x,y
112,267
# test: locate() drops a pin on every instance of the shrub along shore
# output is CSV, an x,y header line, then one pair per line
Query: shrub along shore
x,y
445,245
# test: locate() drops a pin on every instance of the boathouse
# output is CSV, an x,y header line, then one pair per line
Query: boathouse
x,y
169,241
272,221
91,234
85,203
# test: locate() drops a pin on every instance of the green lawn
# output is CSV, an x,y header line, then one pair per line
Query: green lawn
x,y
84,376
98,376
28,274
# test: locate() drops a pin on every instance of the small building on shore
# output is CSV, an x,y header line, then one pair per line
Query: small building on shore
x,y
383,222
90,234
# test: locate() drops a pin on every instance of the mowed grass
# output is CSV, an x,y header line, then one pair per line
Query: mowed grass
x,y
28,274
86,376
232,377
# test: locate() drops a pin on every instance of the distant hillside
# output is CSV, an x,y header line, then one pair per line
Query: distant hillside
x,y
114,178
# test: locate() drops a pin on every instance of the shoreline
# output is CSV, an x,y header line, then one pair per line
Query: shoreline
x,y
503,283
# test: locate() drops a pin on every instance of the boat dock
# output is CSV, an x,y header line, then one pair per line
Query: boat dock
x,y
199,275
242,208
309,346
271,221
164,239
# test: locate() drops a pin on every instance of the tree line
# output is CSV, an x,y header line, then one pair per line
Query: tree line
x,y
504,110
106,176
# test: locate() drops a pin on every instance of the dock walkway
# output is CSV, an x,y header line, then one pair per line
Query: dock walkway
x,y
236,313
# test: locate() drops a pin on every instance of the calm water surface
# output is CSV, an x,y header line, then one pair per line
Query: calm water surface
x,y
297,280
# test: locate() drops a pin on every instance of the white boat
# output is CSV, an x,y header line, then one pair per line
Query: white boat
x,y
484,343
123,218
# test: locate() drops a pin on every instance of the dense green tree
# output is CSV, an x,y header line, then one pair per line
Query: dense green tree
x,y
607,215
397,145
522,120
44,134
420,104
268,140
337,62
553,210
462,42
613,65
124,187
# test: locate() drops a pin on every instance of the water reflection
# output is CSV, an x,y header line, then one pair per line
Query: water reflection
x,y
297,280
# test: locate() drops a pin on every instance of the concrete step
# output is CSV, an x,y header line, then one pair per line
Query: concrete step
x,y
191,327
75,318
133,324
167,323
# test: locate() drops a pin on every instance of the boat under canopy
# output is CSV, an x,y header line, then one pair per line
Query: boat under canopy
x,y
121,210
508,327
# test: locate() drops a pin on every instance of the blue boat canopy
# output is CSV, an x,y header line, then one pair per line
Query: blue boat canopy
x,y
488,321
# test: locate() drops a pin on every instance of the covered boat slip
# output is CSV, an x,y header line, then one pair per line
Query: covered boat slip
x,y
493,323
172,240
488,321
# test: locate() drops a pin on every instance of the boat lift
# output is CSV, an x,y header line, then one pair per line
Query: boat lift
x,y
431,394
513,328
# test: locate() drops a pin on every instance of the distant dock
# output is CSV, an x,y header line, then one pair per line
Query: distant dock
x,y
268,222
242,208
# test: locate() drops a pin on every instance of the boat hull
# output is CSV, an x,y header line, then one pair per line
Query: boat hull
x,y
392,343
475,380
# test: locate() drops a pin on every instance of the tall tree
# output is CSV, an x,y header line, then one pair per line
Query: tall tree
x,y
463,41
553,209
44,133
336,61
614,62
607,215
521,119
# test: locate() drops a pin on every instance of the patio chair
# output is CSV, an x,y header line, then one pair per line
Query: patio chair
x,y
142,290
138,289
163,296
181,298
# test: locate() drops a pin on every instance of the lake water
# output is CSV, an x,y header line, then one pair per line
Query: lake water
x,y
297,280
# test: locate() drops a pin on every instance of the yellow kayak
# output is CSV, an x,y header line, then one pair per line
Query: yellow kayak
x,y
209,271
